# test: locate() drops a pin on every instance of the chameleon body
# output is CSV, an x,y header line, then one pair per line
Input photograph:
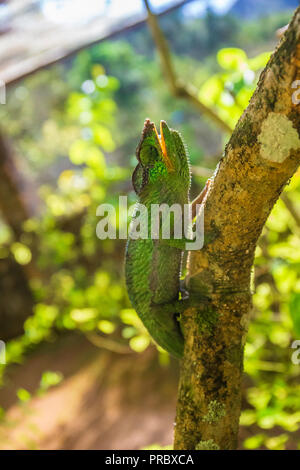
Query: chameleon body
x,y
153,266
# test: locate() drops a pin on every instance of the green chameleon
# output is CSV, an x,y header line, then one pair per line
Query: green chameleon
x,y
153,266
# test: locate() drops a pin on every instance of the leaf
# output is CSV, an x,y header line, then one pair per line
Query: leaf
x,y
78,151
277,443
211,90
129,316
23,395
85,152
254,442
50,379
243,97
129,332
248,418
259,61
139,343
103,137
231,58
21,253
106,326
83,315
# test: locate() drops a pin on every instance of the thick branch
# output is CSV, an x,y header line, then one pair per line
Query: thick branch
x,y
178,89
260,157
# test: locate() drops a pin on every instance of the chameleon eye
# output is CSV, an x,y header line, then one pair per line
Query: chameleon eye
x,y
139,178
148,154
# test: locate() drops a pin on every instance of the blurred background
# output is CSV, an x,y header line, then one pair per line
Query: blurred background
x,y
77,81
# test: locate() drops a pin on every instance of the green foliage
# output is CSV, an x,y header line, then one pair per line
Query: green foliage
x,y
230,91
78,150
49,379
21,253
273,396
141,88
82,287
23,395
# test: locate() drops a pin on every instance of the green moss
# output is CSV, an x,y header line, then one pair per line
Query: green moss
x,y
289,43
216,411
202,293
235,356
244,133
187,394
270,99
207,445
210,236
206,320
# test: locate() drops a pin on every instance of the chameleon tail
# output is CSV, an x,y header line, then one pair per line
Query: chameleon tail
x,y
165,329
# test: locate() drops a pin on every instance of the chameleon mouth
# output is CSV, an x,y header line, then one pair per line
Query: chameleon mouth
x,y
162,144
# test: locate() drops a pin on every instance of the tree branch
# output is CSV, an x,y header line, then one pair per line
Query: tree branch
x,y
291,208
260,157
202,171
178,89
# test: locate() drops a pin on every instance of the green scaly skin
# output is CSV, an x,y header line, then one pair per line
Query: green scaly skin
x,y
153,267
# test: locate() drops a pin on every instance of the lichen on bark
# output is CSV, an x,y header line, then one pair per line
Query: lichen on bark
x,y
216,411
277,138
207,445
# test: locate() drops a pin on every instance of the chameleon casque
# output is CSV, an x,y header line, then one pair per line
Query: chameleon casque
x,y
153,266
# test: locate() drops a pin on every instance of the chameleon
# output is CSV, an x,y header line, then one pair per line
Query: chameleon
x,y
153,266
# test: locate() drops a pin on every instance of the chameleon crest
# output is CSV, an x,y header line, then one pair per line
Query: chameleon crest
x,y
159,157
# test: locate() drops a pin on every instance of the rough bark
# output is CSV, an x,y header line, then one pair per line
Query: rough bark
x,y
260,158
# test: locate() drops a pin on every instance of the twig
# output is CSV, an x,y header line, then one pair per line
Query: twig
x,y
202,171
24,68
290,207
108,344
200,198
178,89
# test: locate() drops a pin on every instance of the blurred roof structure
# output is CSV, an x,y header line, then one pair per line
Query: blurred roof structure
x,y
37,33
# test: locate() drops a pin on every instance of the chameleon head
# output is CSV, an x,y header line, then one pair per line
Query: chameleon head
x,y
154,148
159,155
